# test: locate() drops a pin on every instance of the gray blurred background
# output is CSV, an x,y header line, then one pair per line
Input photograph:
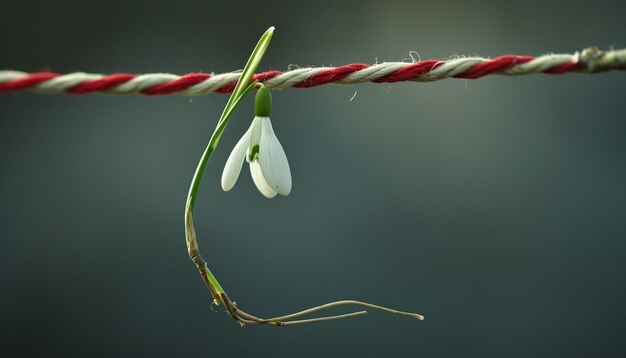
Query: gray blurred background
x,y
494,207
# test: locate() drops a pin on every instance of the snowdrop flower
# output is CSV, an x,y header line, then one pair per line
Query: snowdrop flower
x,y
262,150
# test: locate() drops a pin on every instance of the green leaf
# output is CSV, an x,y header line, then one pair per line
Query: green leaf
x,y
241,90
250,68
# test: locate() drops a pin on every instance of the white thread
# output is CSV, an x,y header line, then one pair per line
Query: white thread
x,y
371,73
589,60
212,84
142,82
11,75
290,78
451,68
541,64
65,82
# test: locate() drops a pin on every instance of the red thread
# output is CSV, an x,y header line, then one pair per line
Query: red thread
x,y
495,65
411,71
332,75
562,68
261,77
264,76
179,84
103,84
30,80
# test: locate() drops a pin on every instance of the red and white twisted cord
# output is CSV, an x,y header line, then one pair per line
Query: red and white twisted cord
x,y
590,60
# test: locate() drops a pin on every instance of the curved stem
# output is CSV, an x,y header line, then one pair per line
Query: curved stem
x,y
242,88
344,303
287,320
219,295
213,142
324,319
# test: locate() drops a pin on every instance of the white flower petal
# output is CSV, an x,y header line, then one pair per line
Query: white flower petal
x,y
255,136
273,160
232,169
259,181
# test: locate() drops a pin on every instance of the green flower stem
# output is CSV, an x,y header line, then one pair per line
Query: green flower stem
x,y
192,244
262,107
242,88
213,142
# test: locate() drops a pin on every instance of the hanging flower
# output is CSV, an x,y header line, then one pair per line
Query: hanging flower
x,y
262,150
